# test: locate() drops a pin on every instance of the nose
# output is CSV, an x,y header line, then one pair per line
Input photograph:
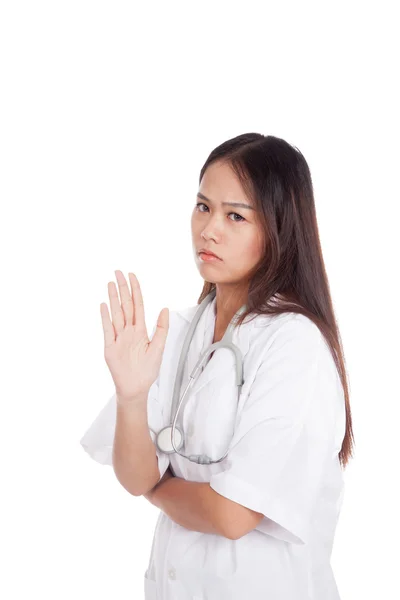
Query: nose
x,y
213,228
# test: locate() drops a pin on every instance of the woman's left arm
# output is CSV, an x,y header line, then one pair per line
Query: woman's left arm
x,y
193,505
151,495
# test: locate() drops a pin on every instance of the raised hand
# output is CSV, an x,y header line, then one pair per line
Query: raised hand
x,y
134,361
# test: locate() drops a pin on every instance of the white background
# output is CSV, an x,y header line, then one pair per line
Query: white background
x,y
108,112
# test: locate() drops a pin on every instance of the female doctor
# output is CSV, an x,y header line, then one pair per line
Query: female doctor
x,y
233,418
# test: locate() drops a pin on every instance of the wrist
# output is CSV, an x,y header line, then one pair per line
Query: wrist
x,y
138,399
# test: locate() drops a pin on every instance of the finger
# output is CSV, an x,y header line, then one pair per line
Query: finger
x,y
126,298
108,329
138,307
116,311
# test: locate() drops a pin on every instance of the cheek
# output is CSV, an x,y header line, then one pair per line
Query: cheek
x,y
251,247
257,248
195,223
247,254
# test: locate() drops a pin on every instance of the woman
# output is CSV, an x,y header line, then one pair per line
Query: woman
x,y
260,523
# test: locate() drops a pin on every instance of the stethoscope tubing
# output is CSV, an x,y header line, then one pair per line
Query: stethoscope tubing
x,y
225,342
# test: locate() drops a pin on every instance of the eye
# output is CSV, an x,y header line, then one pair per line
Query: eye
x,y
231,213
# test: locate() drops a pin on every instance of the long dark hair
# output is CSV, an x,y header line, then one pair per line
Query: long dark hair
x,y
276,176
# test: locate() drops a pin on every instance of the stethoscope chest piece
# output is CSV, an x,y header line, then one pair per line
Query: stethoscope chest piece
x,y
164,439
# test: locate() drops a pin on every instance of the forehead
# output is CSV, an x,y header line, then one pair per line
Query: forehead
x,y
220,184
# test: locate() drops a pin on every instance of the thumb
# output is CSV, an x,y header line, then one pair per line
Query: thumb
x,y
162,327
163,319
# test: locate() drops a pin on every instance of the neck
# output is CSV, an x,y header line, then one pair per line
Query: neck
x,y
228,302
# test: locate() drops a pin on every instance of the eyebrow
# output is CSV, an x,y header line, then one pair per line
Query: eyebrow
x,y
239,204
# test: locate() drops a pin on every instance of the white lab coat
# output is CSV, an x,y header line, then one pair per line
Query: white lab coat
x,y
285,439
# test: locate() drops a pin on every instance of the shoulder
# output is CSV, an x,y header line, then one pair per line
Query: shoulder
x,y
295,343
281,329
292,341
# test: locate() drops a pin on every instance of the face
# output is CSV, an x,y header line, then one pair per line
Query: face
x,y
233,233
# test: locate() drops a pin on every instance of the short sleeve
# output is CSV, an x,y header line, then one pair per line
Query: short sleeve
x,y
283,435
98,440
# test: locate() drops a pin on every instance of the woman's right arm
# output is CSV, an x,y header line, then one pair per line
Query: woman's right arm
x,y
134,362
135,460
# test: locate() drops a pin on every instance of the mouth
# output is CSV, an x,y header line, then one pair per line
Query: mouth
x,y
210,254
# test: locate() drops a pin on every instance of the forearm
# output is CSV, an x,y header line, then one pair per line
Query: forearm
x,y
195,506
134,454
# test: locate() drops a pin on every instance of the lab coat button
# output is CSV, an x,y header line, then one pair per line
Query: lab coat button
x,y
172,573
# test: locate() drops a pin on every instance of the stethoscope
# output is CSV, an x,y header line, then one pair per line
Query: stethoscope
x,y
170,438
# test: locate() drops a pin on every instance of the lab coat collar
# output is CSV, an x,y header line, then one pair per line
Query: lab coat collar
x,y
223,361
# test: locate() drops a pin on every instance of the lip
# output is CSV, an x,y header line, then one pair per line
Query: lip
x,y
203,251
